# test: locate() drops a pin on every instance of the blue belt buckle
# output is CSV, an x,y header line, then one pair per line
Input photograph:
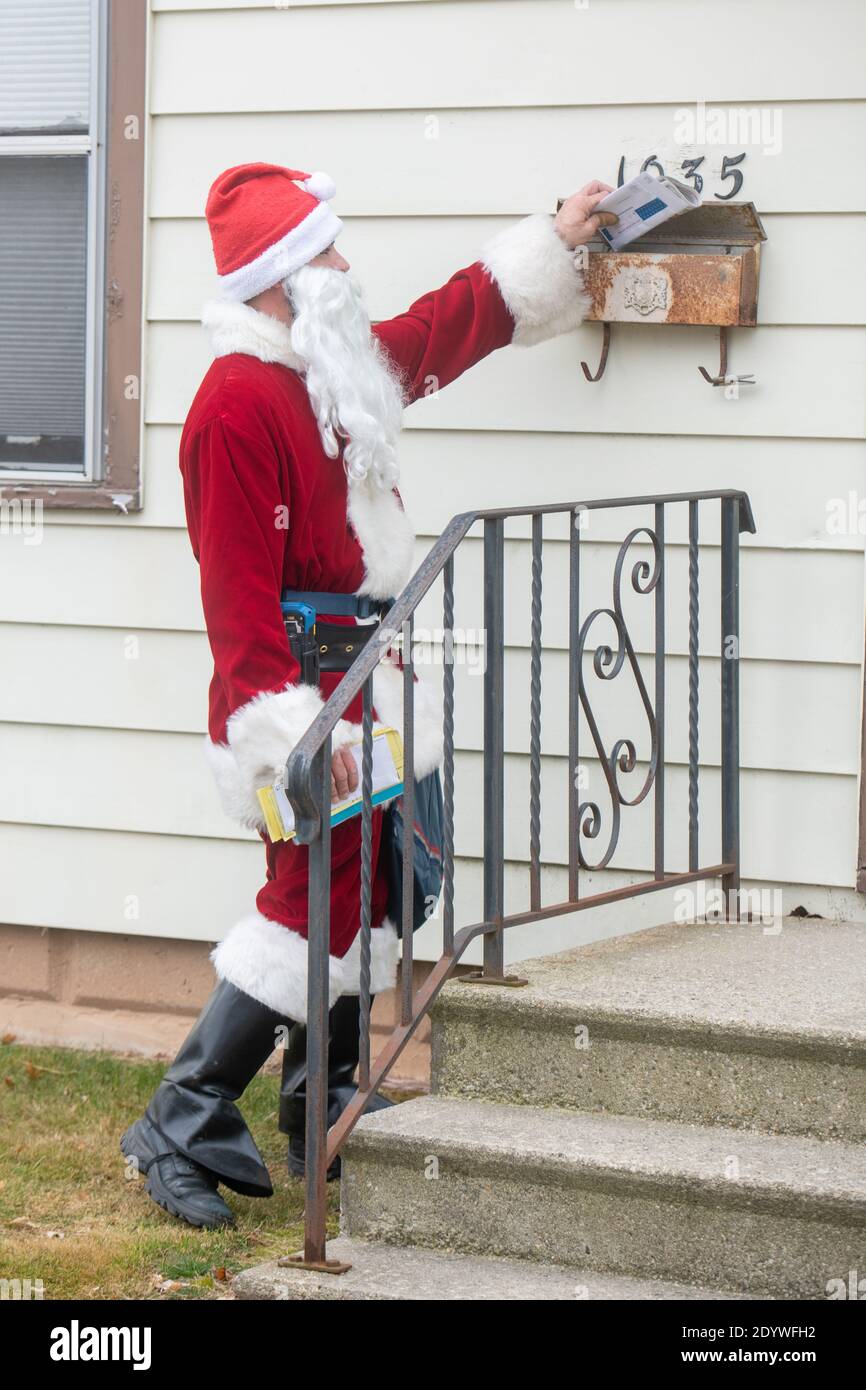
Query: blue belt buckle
x,y
304,614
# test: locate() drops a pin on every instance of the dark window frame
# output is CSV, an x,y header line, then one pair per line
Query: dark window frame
x,y
118,486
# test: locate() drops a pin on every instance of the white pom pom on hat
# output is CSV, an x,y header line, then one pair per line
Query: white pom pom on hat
x,y
321,186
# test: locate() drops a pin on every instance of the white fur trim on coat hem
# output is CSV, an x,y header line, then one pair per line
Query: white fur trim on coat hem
x,y
538,279
384,947
269,962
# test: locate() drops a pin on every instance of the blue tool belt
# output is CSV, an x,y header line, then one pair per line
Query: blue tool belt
x,y
337,605
321,646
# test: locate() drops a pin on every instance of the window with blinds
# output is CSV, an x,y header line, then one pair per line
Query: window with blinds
x,y
49,252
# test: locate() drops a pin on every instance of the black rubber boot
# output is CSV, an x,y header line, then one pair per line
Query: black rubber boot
x,y
192,1113
179,1186
343,1053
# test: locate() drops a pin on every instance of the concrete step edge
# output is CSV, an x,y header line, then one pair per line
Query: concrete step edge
x,y
492,1006
715,1166
382,1272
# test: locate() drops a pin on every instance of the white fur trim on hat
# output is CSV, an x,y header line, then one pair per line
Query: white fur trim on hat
x,y
538,278
269,962
319,228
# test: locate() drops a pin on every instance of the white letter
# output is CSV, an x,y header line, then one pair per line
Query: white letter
x,y
60,1344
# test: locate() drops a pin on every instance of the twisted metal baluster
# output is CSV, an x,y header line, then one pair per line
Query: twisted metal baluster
x,y
366,879
494,745
693,685
535,720
448,760
407,960
319,920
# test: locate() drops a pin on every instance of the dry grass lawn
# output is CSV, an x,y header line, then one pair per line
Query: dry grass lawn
x,y
70,1215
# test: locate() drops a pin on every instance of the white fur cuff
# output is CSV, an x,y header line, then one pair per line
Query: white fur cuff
x,y
260,736
269,962
538,279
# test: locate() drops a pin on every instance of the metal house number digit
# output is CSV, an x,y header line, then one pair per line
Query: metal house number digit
x,y
691,167
729,172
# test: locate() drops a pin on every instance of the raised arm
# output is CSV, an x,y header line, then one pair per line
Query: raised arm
x,y
524,289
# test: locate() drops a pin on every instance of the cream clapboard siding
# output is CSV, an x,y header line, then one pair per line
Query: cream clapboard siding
x,y
442,121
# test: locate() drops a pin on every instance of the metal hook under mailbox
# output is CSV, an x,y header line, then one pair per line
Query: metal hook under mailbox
x,y
605,345
723,379
702,268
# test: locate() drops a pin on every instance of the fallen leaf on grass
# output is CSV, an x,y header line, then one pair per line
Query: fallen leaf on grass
x,y
9,1082
221,1275
167,1285
7,1038
35,1072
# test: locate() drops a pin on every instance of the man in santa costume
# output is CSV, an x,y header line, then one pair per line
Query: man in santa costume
x,y
289,464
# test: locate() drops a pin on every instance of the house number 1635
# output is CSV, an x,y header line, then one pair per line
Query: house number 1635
x,y
690,167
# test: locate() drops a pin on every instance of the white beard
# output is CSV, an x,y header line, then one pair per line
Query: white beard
x,y
353,387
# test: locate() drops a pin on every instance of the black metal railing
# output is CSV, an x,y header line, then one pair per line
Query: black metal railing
x,y
308,779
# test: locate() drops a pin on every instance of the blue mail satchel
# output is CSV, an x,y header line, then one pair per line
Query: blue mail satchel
x,y
427,830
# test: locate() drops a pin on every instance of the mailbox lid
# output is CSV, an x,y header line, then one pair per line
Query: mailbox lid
x,y
721,227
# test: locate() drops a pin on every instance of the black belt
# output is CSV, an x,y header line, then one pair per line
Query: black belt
x,y
331,647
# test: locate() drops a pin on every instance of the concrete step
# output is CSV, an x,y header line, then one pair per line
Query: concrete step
x,y
702,1024
385,1272
753,1213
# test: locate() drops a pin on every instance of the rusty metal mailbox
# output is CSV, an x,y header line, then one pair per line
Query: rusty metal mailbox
x,y
699,268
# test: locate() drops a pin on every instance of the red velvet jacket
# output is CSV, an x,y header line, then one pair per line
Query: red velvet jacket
x,y
267,509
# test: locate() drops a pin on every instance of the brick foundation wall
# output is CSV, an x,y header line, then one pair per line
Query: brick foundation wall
x,y
137,994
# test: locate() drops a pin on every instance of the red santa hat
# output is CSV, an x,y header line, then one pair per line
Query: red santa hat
x,y
266,222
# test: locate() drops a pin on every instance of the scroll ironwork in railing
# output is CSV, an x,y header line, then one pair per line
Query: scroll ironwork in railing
x,y
308,779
